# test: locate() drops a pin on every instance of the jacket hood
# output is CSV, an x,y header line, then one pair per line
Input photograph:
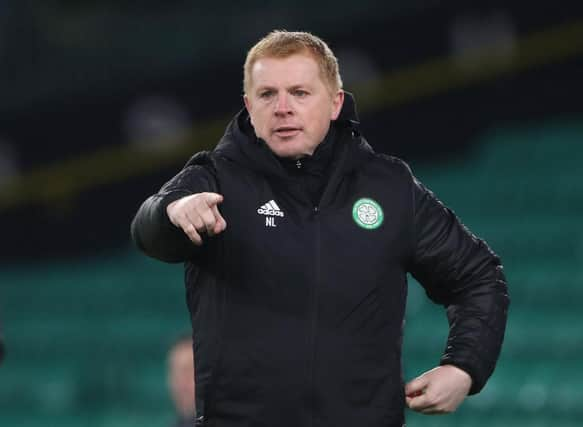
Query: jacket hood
x,y
240,145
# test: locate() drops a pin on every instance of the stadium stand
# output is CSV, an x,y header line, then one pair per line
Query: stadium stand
x,y
522,191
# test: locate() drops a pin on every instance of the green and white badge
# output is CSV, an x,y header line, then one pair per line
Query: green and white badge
x,y
367,213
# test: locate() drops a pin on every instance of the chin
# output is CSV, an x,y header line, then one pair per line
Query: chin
x,y
287,149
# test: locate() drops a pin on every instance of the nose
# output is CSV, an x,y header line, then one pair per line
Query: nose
x,y
282,105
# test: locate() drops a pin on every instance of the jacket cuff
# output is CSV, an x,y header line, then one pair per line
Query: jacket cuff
x,y
470,368
165,200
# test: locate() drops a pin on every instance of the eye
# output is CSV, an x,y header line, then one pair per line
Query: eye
x,y
266,94
300,93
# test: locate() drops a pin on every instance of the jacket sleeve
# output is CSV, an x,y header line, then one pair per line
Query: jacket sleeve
x,y
461,272
151,229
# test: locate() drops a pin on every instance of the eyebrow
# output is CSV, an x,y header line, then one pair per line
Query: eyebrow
x,y
262,88
294,87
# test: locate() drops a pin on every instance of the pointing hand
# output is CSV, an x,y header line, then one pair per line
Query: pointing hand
x,y
197,213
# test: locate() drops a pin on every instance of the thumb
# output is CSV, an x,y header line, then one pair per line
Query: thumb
x,y
220,223
212,199
417,386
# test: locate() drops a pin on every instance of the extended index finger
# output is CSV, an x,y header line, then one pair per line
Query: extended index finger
x,y
212,199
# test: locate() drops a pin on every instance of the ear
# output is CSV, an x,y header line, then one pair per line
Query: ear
x,y
247,102
337,102
248,106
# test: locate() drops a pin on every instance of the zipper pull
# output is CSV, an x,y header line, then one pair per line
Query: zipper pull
x,y
298,164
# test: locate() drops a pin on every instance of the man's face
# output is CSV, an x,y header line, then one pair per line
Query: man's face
x,y
290,105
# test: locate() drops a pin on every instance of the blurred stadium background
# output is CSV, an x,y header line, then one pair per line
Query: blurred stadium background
x,y
102,101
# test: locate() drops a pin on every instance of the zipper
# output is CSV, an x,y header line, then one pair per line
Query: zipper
x,y
314,315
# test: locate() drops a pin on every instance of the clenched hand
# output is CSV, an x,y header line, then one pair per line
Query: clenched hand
x,y
197,213
438,391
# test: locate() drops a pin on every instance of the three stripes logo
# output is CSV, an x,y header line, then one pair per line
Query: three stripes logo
x,y
270,208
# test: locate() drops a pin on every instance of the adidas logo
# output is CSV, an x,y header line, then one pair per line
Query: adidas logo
x,y
270,208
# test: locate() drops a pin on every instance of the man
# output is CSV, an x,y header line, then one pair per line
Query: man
x,y
181,380
297,238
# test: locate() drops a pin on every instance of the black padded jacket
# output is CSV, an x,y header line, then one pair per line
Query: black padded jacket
x,y
297,307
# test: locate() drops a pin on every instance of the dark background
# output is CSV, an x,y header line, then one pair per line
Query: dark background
x,y
101,102
73,71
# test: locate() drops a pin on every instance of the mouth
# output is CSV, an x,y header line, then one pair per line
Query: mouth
x,y
287,131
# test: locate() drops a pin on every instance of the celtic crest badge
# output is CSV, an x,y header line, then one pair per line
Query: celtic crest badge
x,y
367,213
